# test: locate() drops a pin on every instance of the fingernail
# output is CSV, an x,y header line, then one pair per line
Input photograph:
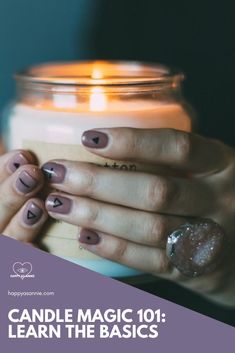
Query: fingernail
x,y
17,161
54,172
32,214
94,139
88,237
25,183
58,204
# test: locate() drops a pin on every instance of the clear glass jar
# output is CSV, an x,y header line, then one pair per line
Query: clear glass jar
x,y
57,102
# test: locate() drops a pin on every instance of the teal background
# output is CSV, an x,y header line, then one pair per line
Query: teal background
x,y
197,37
34,31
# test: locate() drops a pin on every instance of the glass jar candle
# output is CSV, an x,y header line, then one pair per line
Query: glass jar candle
x,y
57,102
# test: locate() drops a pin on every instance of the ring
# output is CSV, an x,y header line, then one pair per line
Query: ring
x,y
196,248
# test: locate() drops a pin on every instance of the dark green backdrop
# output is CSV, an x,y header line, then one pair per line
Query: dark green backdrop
x,y
197,36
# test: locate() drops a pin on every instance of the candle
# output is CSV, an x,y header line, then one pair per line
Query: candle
x,y
58,102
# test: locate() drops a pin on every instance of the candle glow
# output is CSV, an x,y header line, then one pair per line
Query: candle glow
x,y
71,98
98,100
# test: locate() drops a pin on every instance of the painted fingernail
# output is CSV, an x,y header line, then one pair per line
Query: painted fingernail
x,y
58,204
87,236
32,214
25,183
17,161
94,139
54,172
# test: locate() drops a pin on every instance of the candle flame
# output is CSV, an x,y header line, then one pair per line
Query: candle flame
x,y
97,74
98,99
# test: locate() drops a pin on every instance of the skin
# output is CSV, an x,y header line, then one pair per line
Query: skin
x,y
13,203
134,218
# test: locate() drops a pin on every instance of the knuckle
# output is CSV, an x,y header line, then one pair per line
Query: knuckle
x,y
131,142
159,194
157,230
182,146
90,179
119,250
10,204
89,213
161,264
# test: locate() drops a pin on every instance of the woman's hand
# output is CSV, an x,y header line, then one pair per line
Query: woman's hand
x,y
21,214
127,216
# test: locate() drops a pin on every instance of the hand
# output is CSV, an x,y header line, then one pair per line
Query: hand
x,y
21,214
127,216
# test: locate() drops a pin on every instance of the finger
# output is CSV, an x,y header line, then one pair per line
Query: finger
x,y
168,147
28,221
11,161
136,226
178,196
143,258
17,189
146,259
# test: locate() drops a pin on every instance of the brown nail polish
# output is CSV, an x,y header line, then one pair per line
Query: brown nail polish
x,y
17,161
25,183
94,139
54,172
87,236
58,204
32,214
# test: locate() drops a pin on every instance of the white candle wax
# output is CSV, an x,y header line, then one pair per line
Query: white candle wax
x,y
53,126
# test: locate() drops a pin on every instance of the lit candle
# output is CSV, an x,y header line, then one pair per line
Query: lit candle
x,y
59,102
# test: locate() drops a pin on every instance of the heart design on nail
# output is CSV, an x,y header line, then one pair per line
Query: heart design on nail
x,y
22,269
